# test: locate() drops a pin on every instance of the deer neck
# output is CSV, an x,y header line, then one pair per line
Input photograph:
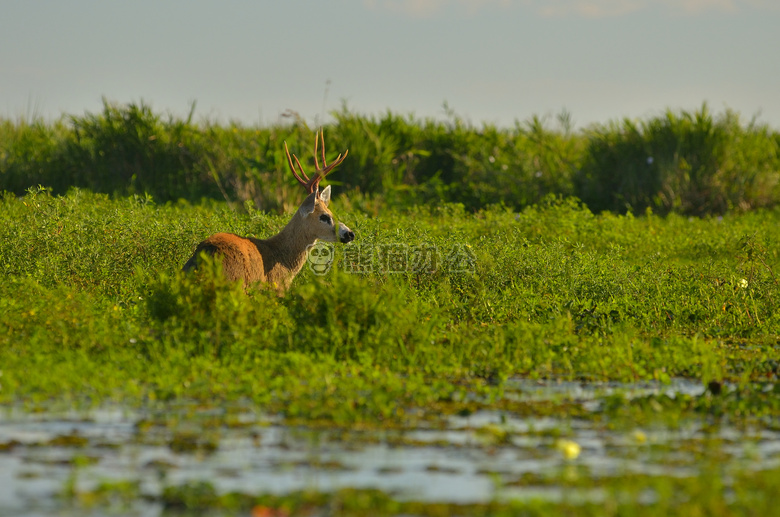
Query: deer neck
x,y
290,247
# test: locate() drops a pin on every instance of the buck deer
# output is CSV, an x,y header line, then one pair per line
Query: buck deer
x,y
278,259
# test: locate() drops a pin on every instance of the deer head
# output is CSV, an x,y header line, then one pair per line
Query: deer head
x,y
314,210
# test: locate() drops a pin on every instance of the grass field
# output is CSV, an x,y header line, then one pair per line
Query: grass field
x,y
433,314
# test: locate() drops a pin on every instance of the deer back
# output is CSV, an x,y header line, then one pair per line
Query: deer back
x,y
241,257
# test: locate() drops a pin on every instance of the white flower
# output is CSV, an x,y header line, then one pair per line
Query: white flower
x,y
743,283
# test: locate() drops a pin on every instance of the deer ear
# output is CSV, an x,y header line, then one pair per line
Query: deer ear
x,y
325,195
307,207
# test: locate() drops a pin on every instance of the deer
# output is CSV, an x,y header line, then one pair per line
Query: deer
x,y
277,260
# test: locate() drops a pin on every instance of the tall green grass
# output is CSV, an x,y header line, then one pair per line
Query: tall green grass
x,y
693,163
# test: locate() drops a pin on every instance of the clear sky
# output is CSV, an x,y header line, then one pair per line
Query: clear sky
x,y
492,61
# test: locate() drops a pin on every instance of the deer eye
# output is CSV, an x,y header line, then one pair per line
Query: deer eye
x,y
325,218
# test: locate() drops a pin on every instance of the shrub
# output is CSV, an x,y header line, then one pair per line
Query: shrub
x,y
690,163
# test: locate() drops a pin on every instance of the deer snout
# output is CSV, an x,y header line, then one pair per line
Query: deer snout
x,y
345,234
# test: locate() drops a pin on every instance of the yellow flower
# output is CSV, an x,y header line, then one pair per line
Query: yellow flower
x,y
569,448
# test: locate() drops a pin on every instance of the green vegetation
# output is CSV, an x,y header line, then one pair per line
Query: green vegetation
x,y
693,163
91,290
472,266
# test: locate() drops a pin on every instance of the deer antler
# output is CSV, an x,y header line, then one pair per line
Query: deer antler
x,y
312,185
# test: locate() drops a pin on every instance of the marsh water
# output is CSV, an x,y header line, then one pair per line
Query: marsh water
x,y
48,456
